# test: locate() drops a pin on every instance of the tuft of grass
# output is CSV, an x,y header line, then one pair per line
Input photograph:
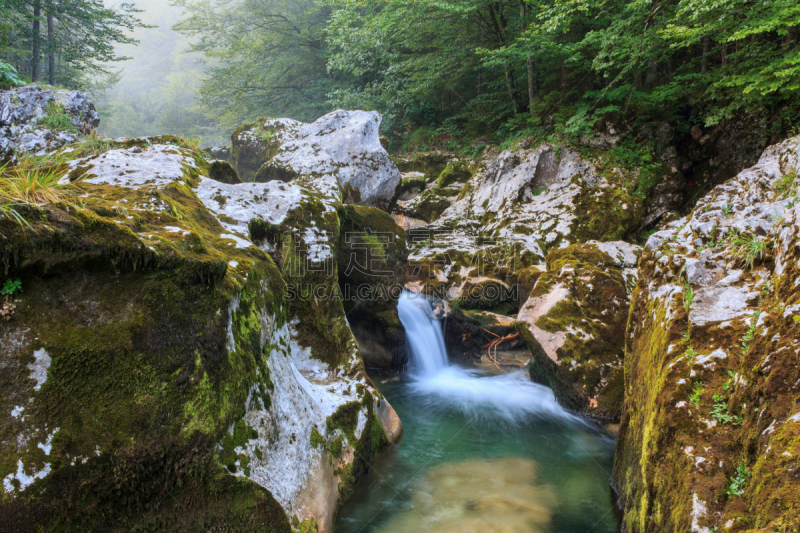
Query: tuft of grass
x,y
32,181
33,186
57,118
93,144
748,249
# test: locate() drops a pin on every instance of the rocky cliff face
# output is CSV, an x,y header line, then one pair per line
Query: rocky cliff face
x,y
178,358
37,120
710,433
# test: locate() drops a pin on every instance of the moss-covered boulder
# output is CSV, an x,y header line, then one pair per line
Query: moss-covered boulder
x,y
342,144
254,143
710,432
166,368
223,172
372,265
574,320
427,206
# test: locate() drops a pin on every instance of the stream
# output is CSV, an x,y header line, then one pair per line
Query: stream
x,y
480,452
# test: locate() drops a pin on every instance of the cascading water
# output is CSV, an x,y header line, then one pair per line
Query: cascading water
x,y
424,334
479,452
511,395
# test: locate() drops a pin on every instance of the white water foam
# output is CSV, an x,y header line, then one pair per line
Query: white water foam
x,y
511,396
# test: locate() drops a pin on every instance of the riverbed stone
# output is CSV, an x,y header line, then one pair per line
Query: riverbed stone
x,y
574,321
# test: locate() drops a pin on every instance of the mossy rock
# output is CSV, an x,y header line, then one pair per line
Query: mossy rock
x,y
456,172
223,172
428,206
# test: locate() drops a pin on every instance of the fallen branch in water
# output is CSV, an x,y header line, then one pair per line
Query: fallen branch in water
x,y
498,340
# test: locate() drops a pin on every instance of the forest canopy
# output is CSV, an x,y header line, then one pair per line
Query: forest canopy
x,y
457,69
465,67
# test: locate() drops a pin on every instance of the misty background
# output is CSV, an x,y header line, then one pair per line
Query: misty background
x,y
156,91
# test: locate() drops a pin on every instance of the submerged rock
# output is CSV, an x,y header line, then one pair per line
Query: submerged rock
x,y
710,428
167,367
38,120
343,144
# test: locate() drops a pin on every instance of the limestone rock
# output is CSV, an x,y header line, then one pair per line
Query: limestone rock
x,y
575,320
711,368
516,208
180,352
343,144
24,114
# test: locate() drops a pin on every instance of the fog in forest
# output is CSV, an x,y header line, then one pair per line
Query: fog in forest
x,y
157,89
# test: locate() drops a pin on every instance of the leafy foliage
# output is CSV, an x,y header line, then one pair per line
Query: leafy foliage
x,y
11,287
738,481
463,68
9,77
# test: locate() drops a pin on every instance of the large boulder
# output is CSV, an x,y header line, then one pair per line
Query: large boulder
x,y
343,144
515,209
178,359
710,432
574,322
38,120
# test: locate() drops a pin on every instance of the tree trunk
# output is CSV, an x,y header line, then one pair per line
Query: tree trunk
x,y
51,50
511,89
724,54
37,11
704,64
531,84
523,16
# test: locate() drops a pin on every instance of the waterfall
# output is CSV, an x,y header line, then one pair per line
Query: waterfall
x,y
424,334
511,396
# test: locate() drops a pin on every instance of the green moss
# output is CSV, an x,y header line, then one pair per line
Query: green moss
x,y
317,439
345,419
455,172
428,206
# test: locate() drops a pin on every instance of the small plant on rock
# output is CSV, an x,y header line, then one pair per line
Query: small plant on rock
x,y
751,333
688,296
57,118
727,210
748,249
697,392
738,481
7,308
721,414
